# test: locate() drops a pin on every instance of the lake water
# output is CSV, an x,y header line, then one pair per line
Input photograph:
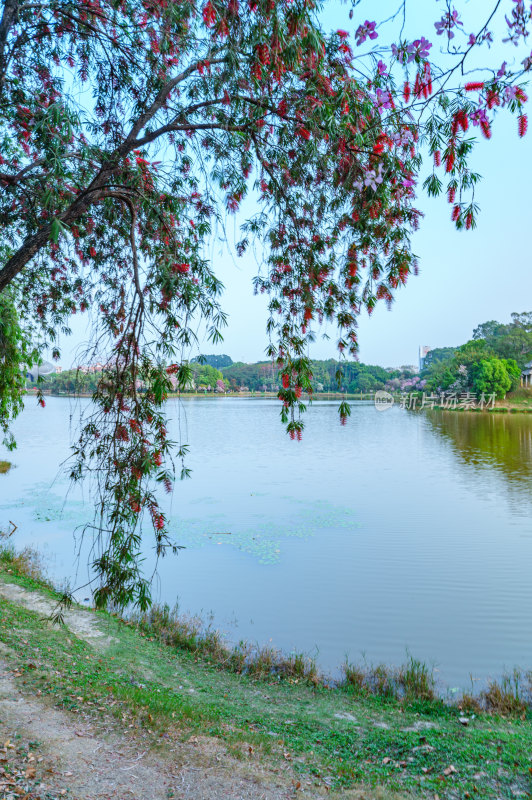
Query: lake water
x,y
400,532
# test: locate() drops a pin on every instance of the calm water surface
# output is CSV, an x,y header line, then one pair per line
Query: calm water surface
x,y
401,531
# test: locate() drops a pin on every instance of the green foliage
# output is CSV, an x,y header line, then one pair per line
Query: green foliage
x,y
203,375
490,362
256,377
437,355
218,361
15,352
513,340
491,375
72,381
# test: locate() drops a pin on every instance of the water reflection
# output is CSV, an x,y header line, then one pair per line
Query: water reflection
x,y
500,443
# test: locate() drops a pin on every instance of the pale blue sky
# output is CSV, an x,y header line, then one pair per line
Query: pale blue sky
x,y
465,277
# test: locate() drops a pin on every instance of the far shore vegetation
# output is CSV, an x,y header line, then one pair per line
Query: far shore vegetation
x,y
490,362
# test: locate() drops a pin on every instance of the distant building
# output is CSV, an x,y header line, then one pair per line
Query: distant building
x,y
423,350
526,375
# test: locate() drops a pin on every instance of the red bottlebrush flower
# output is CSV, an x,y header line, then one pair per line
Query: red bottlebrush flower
x,y
343,419
522,124
485,128
456,213
406,92
303,133
469,221
474,86
460,120
285,380
437,158
121,433
451,194
299,434
157,459
297,391
135,506
181,268
292,434
263,53
209,14
92,252
134,425
449,161
521,95
307,315
492,99
232,204
41,402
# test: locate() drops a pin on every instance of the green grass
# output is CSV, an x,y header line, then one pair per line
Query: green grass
x,y
336,737
5,466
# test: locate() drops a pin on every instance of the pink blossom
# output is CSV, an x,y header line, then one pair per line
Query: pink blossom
x,y
365,31
447,23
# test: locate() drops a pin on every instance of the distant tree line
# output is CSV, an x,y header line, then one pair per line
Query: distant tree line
x,y
356,377
258,377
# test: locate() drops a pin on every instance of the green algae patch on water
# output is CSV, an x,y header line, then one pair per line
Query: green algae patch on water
x,y
261,538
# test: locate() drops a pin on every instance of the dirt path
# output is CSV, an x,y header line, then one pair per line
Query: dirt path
x,y
79,757
83,759
82,623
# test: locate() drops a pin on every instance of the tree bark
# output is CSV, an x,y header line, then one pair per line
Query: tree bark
x,y
9,18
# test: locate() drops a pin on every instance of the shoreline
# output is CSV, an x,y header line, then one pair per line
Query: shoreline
x,y
190,633
103,671
361,397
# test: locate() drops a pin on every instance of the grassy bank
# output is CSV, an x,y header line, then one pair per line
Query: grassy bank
x,y
381,728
